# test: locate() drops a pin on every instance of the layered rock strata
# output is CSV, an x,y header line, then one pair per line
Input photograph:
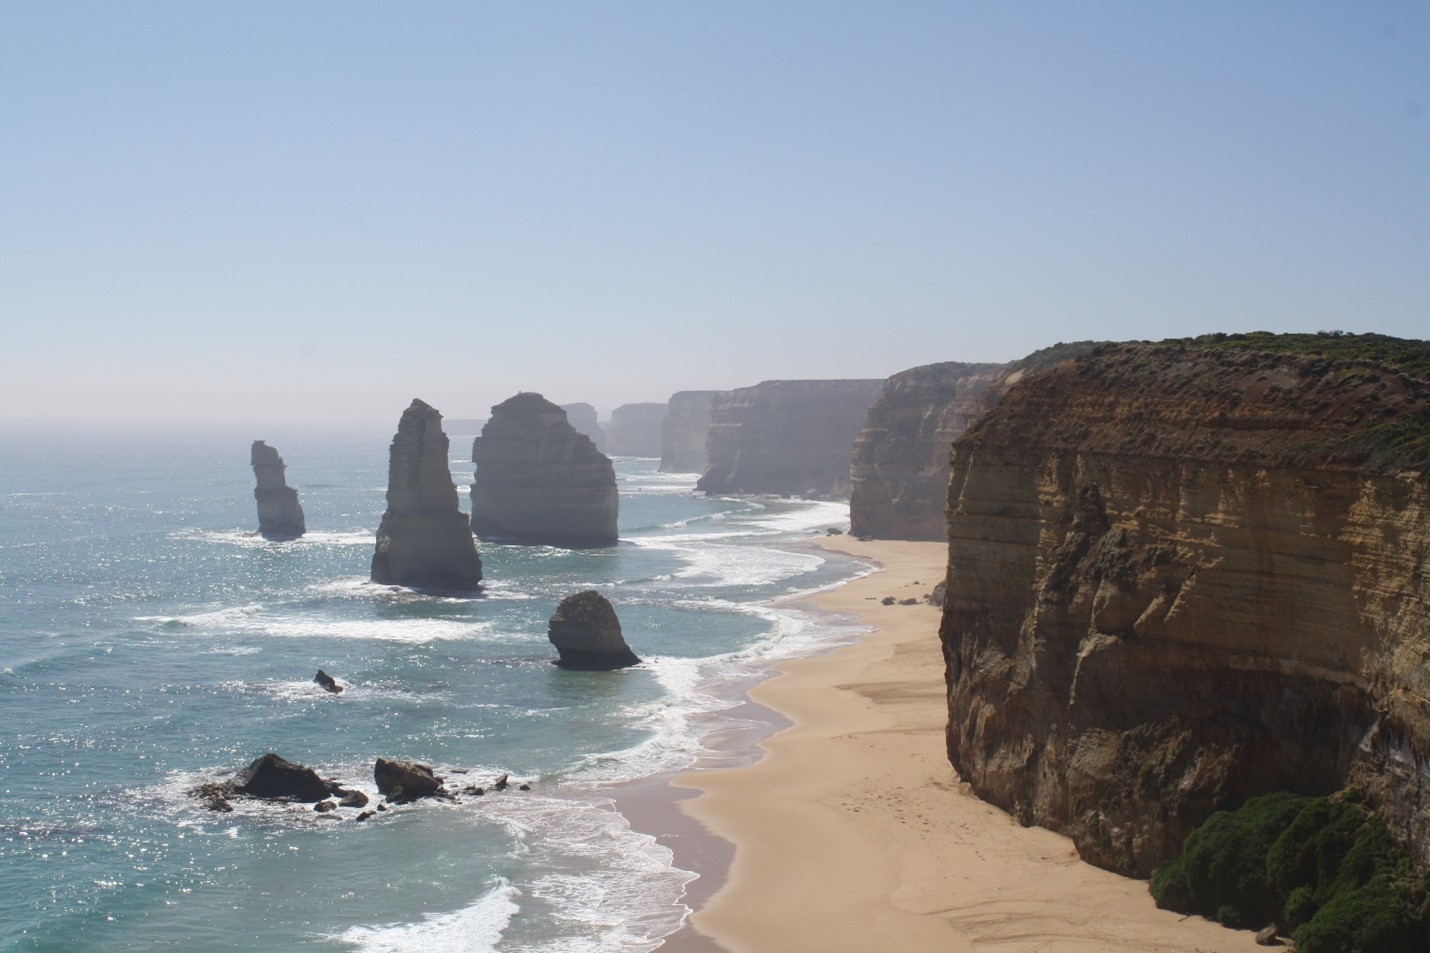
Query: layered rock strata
x,y
1179,577
899,473
583,417
684,431
280,516
635,430
793,438
587,634
424,541
539,481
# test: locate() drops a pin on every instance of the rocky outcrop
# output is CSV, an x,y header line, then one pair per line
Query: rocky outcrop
x,y
635,430
268,778
587,634
404,781
539,481
794,438
279,514
424,541
684,431
583,418
1180,576
899,474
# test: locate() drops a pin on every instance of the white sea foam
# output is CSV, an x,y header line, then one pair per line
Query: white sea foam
x,y
709,564
472,929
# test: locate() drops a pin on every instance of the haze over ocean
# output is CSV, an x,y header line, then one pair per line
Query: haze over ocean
x,y
265,210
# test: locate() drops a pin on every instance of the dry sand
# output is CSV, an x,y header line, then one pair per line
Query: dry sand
x,y
852,831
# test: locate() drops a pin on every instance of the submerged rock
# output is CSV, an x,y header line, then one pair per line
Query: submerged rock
x,y
279,514
539,481
424,541
587,634
328,682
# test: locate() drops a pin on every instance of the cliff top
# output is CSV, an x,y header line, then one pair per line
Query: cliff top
x,y
1229,399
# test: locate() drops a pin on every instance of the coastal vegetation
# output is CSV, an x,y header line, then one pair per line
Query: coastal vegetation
x,y
1323,869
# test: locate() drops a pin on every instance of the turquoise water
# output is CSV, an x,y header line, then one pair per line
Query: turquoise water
x,y
149,642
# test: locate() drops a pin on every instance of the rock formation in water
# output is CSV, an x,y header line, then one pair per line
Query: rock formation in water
x,y
424,541
587,634
539,481
279,514
404,781
683,434
794,438
268,778
583,418
1181,575
635,430
899,476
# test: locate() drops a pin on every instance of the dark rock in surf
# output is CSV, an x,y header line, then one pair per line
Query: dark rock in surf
x,y
587,634
404,781
269,778
279,514
328,682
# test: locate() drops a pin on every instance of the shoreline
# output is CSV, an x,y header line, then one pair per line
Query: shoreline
x,y
847,828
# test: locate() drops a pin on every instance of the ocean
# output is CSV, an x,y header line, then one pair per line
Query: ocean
x,y
151,642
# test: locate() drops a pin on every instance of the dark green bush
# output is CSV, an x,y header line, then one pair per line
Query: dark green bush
x,y
1325,868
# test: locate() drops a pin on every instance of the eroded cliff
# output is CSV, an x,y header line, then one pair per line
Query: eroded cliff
x,y
635,430
1181,576
788,437
899,474
280,515
683,433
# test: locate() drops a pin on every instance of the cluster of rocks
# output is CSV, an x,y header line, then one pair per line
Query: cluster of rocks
x,y
276,779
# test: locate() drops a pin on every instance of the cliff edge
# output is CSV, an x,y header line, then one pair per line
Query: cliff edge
x,y
1182,575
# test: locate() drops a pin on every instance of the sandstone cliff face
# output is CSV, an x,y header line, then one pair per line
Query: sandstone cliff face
x,y
899,475
635,430
583,418
1182,577
539,481
682,438
424,541
279,514
788,437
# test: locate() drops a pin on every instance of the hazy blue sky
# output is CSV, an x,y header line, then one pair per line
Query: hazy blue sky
x,y
240,210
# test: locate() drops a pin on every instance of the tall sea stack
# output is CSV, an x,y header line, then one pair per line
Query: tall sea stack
x,y
279,514
582,416
635,430
539,481
424,541
1182,575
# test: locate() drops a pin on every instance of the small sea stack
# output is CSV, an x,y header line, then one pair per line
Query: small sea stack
x,y
539,481
280,516
587,634
423,541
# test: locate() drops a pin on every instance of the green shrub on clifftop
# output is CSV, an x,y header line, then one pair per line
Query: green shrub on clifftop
x,y
1323,868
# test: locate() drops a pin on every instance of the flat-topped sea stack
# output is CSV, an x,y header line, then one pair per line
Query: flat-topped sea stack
x,y
684,431
540,481
424,541
1184,574
793,438
635,430
280,516
587,634
899,475
582,416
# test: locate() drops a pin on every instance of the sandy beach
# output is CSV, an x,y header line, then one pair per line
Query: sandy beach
x,y
853,832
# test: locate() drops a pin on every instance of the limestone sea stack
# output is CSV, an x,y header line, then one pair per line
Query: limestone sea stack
x,y
683,433
899,474
635,430
279,514
539,481
587,634
1184,574
424,541
582,416
793,438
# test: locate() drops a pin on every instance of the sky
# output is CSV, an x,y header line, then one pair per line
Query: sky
x,y
235,212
